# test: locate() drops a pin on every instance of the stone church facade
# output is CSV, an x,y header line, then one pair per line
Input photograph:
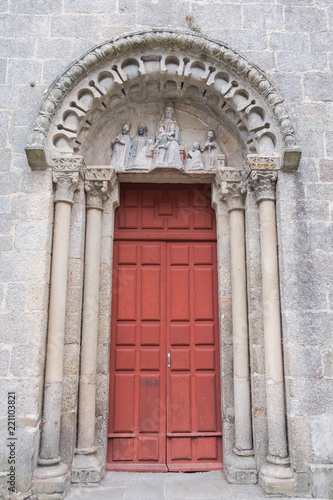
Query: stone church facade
x,y
164,102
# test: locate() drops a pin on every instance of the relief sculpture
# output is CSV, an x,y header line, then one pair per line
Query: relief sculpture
x,y
142,153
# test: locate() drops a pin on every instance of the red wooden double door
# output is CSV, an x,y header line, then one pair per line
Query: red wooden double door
x,y
164,389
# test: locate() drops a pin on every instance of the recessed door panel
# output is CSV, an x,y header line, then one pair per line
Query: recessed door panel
x,y
164,363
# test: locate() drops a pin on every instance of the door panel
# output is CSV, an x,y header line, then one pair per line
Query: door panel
x,y
164,385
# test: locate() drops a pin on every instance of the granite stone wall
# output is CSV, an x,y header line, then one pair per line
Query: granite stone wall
x,y
290,40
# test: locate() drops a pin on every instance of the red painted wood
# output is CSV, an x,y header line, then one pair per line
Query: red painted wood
x,y
164,301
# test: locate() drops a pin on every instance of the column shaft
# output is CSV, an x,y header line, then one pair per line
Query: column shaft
x,y
277,439
87,398
242,399
56,332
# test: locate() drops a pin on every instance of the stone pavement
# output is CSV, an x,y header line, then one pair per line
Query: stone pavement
x,y
170,486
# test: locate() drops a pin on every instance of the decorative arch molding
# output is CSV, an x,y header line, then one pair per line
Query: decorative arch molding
x,y
158,65
211,87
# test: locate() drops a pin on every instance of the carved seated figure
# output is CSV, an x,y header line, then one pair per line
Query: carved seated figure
x,y
194,158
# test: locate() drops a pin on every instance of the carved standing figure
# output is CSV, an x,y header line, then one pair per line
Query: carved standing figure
x,y
137,143
172,154
121,148
161,144
145,156
194,158
211,150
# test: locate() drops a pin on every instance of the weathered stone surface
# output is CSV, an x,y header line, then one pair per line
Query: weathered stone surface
x,y
305,19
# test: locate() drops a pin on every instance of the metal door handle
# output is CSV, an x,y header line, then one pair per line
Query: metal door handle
x,y
169,359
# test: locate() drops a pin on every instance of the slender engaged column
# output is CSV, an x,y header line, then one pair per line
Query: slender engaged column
x,y
233,191
87,466
275,476
52,476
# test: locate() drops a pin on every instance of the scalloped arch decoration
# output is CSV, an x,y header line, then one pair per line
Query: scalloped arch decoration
x,y
164,64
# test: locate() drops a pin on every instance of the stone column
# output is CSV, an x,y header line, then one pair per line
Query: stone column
x,y
275,475
87,466
52,476
233,191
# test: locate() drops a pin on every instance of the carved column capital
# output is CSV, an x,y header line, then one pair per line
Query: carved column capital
x,y
263,183
99,181
232,188
66,183
262,176
67,170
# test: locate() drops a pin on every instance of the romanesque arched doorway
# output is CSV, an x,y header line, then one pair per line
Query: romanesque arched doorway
x,y
210,88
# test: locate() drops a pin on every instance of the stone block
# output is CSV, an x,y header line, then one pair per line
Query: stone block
x,y
326,170
18,139
263,17
35,7
304,295
33,206
3,71
51,69
33,235
318,191
16,47
155,14
5,156
8,97
302,327
322,41
264,59
53,48
36,182
118,20
305,19
303,361
329,143
3,5
290,85
68,436
313,116
24,26
27,391
318,86
294,61
22,71
23,266
4,204
4,361
73,327
71,359
30,97
322,437
102,394
297,42
72,26
4,116
322,481
310,396
328,364
6,243
85,6
126,6
69,393
320,236
312,144
27,360
242,39
9,183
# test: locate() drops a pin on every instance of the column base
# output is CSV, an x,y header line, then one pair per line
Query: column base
x,y
51,481
87,468
277,479
241,469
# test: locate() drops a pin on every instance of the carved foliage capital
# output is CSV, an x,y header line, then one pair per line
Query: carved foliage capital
x,y
232,188
66,183
98,182
263,184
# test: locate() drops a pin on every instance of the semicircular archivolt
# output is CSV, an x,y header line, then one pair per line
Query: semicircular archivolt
x,y
157,66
